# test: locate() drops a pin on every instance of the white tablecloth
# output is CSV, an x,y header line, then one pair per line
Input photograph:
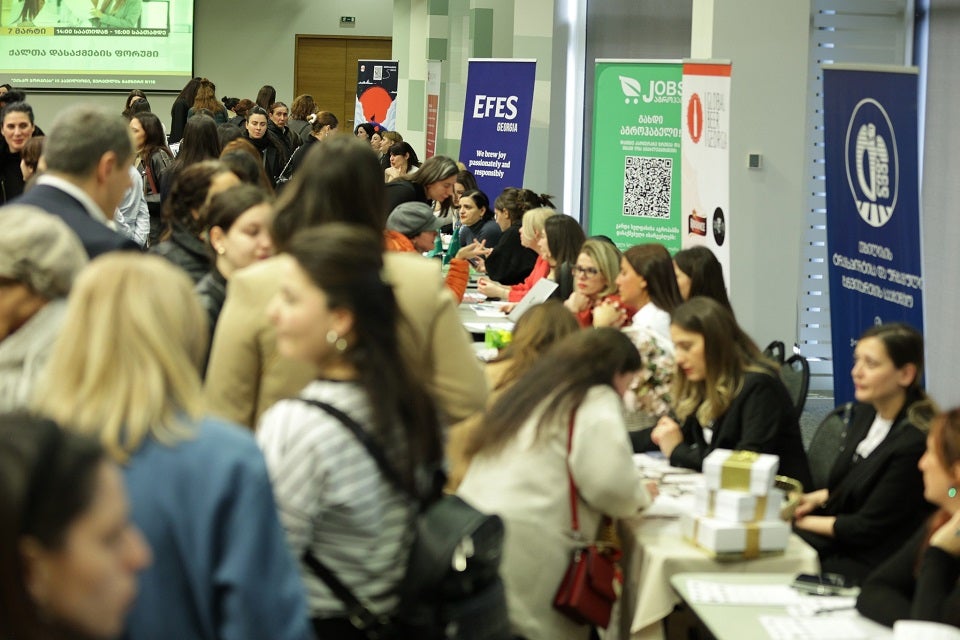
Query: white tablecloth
x,y
654,550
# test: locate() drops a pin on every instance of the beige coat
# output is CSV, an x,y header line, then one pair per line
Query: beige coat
x,y
246,375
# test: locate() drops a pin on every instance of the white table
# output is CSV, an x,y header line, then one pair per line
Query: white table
x,y
743,621
655,551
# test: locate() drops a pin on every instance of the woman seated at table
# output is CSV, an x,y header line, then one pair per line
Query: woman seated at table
x,y
531,232
699,273
921,581
476,220
510,260
725,395
595,284
873,500
569,400
646,281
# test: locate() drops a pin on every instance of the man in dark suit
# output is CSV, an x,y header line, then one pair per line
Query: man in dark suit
x,y
88,154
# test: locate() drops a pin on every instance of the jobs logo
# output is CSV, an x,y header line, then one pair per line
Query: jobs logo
x,y
657,90
872,163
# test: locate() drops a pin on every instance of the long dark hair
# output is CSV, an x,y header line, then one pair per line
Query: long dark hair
x,y
154,139
345,261
517,201
652,262
189,93
188,194
565,237
200,142
404,148
728,354
705,273
558,382
338,181
47,480
904,346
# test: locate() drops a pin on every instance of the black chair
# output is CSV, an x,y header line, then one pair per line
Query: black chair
x,y
776,351
826,442
795,373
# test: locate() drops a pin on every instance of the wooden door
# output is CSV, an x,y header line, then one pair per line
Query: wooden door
x,y
326,68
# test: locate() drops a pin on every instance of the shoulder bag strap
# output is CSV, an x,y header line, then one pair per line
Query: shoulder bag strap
x,y
360,616
150,177
575,521
364,438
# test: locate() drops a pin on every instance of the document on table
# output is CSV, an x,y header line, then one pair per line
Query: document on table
x,y
709,592
488,310
834,627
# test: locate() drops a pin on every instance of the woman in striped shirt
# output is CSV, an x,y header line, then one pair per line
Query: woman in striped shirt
x,y
335,311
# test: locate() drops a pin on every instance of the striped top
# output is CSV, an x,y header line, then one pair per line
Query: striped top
x,y
333,498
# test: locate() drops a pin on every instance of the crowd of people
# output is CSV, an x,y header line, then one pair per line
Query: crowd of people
x,y
183,302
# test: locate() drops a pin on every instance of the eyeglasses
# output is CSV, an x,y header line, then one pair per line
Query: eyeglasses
x,y
585,271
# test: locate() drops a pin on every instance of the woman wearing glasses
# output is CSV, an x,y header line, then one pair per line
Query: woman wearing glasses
x,y
594,277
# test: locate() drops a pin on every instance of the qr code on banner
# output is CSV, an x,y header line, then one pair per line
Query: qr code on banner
x,y
378,72
646,186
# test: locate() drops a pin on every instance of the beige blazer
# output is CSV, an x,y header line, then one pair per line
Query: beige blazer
x,y
246,375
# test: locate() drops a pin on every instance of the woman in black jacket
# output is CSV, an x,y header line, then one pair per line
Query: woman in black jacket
x,y
153,159
509,262
921,581
873,500
272,149
725,395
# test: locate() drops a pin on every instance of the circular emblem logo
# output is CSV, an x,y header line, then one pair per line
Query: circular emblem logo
x,y
695,117
873,170
719,227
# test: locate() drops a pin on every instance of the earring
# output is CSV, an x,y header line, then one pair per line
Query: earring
x,y
340,344
952,492
221,251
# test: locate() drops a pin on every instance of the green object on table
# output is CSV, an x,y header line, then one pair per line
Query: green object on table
x,y
453,248
497,338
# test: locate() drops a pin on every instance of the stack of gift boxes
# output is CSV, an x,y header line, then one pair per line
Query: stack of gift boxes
x,y
737,512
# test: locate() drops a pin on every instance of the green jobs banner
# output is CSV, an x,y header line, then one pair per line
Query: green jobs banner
x,y
635,166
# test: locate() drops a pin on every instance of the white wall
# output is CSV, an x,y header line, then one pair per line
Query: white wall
x,y
767,116
243,45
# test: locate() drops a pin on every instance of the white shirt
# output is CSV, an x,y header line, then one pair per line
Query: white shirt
x,y
656,319
877,433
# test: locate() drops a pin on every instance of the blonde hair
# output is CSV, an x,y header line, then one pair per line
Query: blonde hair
x,y
606,257
533,221
126,364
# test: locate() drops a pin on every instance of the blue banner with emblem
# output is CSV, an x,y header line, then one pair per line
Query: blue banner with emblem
x,y
873,217
496,122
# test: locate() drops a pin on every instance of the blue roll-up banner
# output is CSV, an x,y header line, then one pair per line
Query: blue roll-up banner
x,y
496,122
873,218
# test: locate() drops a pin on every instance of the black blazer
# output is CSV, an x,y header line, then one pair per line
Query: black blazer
x,y
878,500
900,590
510,262
97,237
760,418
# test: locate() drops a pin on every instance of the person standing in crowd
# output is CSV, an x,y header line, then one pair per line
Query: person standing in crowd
x,y
726,395
271,148
921,580
39,259
266,97
87,176
135,96
302,112
238,229
324,125
279,115
70,554
182,239
17,129
206,98
125,370
559,423
873,501
153,159
432,184
200,142
336,312
178,111
340,181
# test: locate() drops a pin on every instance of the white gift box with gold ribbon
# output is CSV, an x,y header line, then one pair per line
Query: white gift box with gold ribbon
x,y
749,539
741,470
737,506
